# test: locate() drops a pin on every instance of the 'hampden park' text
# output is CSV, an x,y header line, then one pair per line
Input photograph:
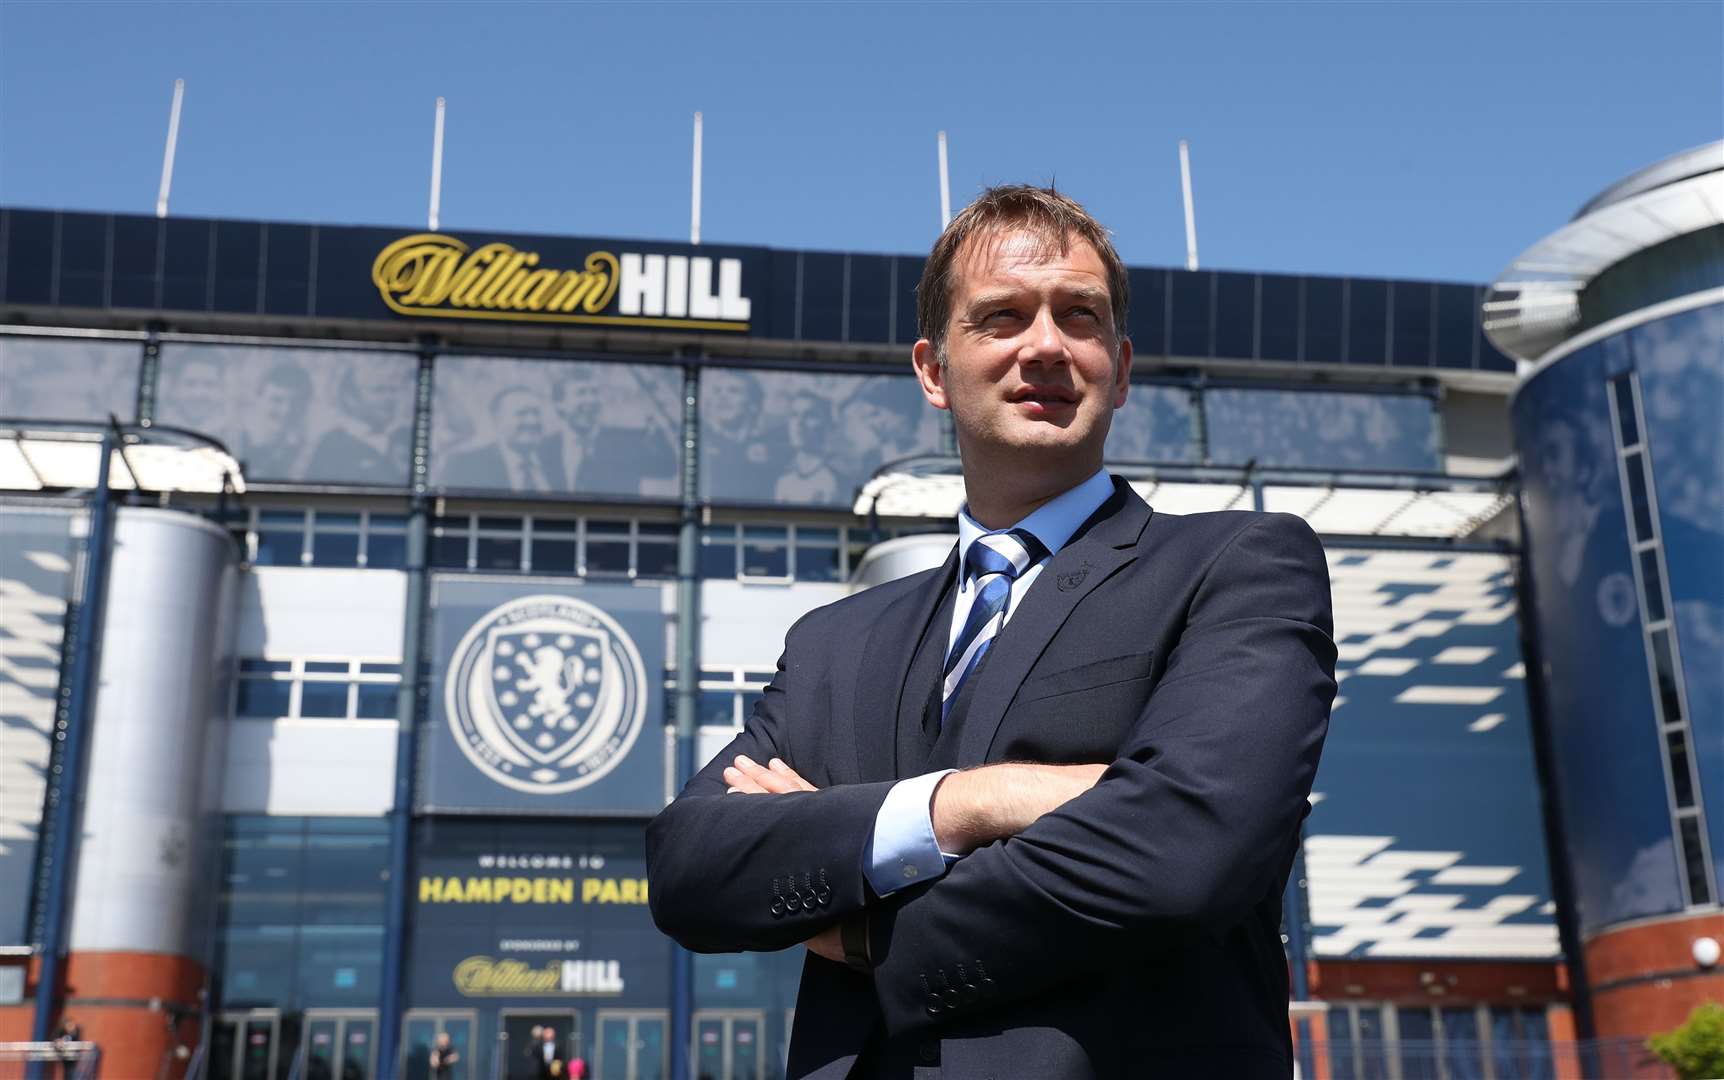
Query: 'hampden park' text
x,y
527,890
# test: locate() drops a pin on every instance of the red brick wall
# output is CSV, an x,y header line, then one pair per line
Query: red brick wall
x,y
109,995
1644,978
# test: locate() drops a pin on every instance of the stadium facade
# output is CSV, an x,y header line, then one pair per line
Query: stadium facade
x,y
509,506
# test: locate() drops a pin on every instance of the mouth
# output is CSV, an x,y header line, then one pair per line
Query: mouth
x,y
1041,399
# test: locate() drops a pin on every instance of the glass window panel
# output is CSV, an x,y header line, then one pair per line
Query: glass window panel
x,y
1682,785
1412,308
718,552
1627,424
1157,423
68,379
280,546
334,549
1417,1044
808,535
251,665
1189,331
1462,1056
328,667
1373,1051
1278,330
1367,321
449,550
500,524
1508,1051
323,699
799,438
1457,318
387,523
386,551
555,526
1652,582
553,555
1694,860
332,415
817,563
1341,1043
769,560
325,519
607,556
556,427
1311,429
1322,320
1664,670
377,701
607,527
717,708
369,668
1536,1032
498,553
655,557
264,698
1235,315
1637,497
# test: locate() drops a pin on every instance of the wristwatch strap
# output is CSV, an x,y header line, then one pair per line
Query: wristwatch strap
x,y
853,933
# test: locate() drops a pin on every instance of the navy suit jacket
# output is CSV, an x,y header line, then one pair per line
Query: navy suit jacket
x,y
1132,932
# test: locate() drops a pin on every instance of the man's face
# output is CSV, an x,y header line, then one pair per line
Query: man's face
x,y
277,406
726,398
520,421
578,404
1032,359
198,389
375,392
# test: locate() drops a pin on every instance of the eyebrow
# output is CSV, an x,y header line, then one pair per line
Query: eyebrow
x,y
1086,293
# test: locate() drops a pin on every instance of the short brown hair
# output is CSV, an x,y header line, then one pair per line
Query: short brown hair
x,y
1044,212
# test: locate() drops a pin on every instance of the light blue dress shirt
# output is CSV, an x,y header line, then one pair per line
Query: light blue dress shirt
x,y
902,849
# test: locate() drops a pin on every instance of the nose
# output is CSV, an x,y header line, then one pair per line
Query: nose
x,y
1043,341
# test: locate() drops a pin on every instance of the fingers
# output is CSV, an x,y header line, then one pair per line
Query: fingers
x,y
748,777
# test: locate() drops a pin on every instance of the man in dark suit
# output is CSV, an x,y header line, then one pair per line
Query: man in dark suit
x,y
516,460
1133,703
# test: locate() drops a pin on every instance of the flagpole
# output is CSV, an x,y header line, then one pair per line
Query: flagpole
x,y
168,155
437,168
1190,213
694,211
945,187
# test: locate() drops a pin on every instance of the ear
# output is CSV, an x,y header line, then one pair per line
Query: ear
x,y
1122,373
930,374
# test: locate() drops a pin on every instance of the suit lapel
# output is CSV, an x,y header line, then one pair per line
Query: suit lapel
x,y
886,660
1106,542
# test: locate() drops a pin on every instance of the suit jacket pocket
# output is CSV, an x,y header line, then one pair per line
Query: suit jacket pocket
x,y
1086,676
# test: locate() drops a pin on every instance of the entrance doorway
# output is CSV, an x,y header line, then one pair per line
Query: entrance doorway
x,y
630,1045
245,1045
340,1044
523,1051
727,1044
419,1031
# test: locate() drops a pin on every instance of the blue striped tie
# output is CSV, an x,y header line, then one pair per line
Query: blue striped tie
x,y
993,562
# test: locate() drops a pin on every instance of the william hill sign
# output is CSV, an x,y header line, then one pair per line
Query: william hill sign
x,y
436,276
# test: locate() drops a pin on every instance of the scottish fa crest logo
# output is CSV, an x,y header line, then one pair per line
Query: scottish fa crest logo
x,y
546,694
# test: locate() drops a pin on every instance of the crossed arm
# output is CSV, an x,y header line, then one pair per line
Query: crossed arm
x,y
969,809
1186,829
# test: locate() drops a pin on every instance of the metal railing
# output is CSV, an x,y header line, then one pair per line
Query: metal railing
x,y
77,1060
1427,1059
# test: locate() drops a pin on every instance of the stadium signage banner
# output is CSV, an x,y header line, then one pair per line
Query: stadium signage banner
x,y
547,697
531,911
432,275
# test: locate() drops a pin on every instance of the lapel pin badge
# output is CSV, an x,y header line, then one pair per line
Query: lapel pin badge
x,y
1071,579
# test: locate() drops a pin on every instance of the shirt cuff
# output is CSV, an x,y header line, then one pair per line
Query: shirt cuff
x,y
902,851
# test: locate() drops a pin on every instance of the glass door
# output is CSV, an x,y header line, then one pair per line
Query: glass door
x,y
245,1045
727,1044
524,1040
631,1045
340,1044
420,1030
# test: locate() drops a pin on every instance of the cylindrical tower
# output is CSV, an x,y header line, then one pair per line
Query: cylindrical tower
x,y
1618,322
144,892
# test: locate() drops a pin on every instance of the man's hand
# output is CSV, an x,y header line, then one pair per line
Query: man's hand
x,y
828,943
978,806
746,777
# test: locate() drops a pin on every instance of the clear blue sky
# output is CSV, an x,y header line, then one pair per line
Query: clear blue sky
x,y
1408,140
